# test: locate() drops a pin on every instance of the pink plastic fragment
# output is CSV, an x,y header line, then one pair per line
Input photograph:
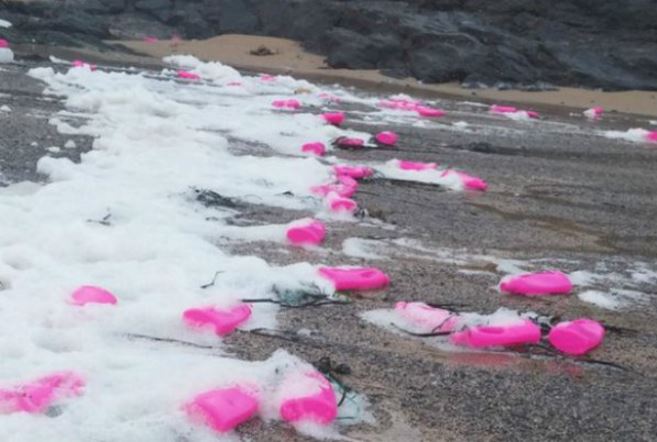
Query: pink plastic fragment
x,y
355,279
88,294
291,103
356,172
186,75
416,165
497,109
536,284
652,136
222,321
340,204
430,112
224,409
524,332
577,337
349,143
318,149
317,405
267,78
387,138
3,43
595,113
469,182
334,118
38,395
310,232
83,64
150,39
426,317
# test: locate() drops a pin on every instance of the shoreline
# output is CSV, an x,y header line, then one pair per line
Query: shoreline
x,y
290,58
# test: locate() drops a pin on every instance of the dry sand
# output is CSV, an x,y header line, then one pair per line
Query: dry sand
x,y
290,57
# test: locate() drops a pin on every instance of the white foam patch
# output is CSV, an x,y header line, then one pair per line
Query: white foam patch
x,y
5,108
6,55
5,23
613,299
636,135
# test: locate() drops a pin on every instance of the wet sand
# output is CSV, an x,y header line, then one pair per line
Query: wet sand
x,y
290,58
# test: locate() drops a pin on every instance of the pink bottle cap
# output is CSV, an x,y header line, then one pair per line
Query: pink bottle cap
x,y
387,138
430,112
317,148
349,143
652,136
340,204
334,118
355,279
186,75
356,172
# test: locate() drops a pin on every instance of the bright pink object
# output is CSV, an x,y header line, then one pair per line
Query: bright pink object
x,y
341,189
318,405
594,113
311,232
38,395
497,109
349,143
577,337
88,294
469,182
292,103
83,64
399,104
4,43
387,138
225,408
532,114
267,77
524,332
318,149
356,172
430,112
359,278
334,118
415,165
535,284
222,321
426,317
150,39
652,136
340,204
186,75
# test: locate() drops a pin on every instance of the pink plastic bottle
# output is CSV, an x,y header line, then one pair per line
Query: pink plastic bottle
x,y
355,279
339,204
536,284
38,395
497,109
595,113
416,165
426,317
429,112
186,75
577,337
652,136
222,321
524,332
309,232
318,149
224,409
334,118
356,172
469,182
349,143
387,138
317,405
88,294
